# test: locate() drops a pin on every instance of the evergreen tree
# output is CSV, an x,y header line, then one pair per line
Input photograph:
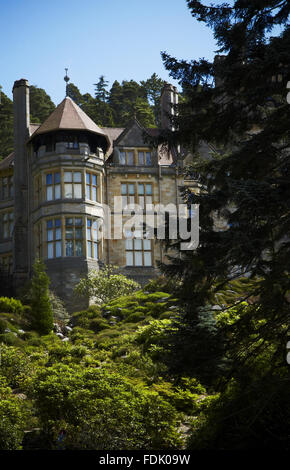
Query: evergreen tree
x,y
41,310
6,126
153,87
238,105
101,92
41,105
115,101
75,94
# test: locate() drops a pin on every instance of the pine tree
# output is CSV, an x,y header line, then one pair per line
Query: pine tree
x,y
41,105
101,92
75,94
115,101
41,310
6,126
153,87
238,105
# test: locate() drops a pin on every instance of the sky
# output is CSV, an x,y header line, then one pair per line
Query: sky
x,y
120,39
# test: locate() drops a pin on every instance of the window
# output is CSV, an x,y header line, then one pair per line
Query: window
x,y
140,193
138,250
53,238
144,194
7,225
126,157
73,236
144,158
72,145
6,264
128,194
64,237
53,186
72,184
92,238
92,187
6,187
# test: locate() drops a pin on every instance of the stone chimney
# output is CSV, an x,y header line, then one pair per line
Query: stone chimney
x,y
21,135
169,98
218,69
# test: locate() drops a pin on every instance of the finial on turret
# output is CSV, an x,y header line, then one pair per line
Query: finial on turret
x,y
66,79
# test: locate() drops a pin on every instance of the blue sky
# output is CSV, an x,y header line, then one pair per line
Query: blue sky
x,y
120,39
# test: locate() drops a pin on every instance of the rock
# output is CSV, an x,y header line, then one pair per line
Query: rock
x,y
163,299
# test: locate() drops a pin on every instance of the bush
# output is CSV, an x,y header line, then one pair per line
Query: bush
x,y
12,419
100,409
11,305
14,365
59,311
10,339
105,285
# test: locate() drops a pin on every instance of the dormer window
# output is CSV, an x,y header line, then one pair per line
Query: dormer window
x,y
144,158
126,157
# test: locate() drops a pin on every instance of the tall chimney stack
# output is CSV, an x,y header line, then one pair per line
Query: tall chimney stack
x,y
21,135
169,98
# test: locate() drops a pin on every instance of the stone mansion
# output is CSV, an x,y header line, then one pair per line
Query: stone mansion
x,y
56,183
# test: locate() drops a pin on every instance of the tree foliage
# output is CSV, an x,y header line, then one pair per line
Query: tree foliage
x,y
105,285
237,104
6,126
41,105
41,309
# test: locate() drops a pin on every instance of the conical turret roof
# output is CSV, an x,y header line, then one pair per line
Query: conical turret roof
x,y
69,116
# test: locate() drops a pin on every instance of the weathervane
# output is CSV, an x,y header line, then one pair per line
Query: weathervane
x,y
66,79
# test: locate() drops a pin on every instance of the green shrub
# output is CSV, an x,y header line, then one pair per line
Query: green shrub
x,y
98,324
101,409
105,285
135,317
14,364
11,305
12,419
10,339
3,325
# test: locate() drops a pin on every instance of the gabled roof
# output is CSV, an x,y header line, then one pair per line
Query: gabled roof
x,y
7,162
69,116
133,134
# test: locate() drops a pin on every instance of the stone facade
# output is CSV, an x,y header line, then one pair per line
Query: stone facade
x,y
61,180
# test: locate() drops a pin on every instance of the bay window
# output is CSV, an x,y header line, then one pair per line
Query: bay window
x,y
54,238
92,238
53,186
91,187
72,184
73,236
